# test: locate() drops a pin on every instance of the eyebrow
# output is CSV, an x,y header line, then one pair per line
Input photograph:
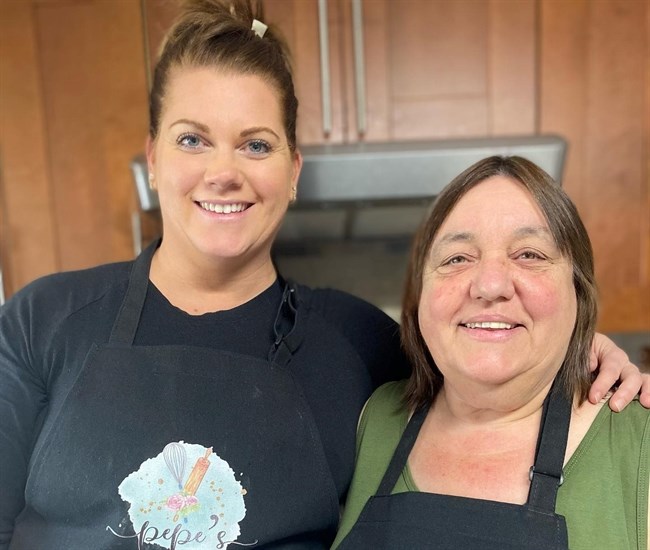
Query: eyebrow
x,y
257,130
197,125
206,129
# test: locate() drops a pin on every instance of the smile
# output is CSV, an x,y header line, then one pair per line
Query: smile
x,y
490,325
224,208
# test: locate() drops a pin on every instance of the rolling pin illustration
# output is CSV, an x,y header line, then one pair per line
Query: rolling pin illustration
x,y
197,473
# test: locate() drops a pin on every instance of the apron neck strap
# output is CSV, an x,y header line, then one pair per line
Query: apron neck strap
x,y
546,474
402,452
126,323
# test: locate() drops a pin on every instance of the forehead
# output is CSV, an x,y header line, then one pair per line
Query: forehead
x,y
498,203
207,89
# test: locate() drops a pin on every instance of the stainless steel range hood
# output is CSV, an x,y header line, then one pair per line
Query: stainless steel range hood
x,y
401,171
383,190
371,190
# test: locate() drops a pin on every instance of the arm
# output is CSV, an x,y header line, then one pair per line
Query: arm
x,y
613,363
22,398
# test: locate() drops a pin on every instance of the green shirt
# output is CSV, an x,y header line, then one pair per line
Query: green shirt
x,y
604,497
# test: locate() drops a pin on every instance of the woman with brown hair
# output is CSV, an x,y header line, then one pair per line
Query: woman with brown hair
x,y
491,443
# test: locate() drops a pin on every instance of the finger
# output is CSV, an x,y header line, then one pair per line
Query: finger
x,y
593,359
607,377
644,397
627,390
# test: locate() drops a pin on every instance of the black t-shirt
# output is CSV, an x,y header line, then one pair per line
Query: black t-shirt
x,y
48,328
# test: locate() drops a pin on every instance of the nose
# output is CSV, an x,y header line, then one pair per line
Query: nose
x,y
492,280
222,171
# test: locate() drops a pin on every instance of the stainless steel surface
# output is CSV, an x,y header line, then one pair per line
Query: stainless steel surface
x,y
400,171
359,65
2,288
147,197
326,98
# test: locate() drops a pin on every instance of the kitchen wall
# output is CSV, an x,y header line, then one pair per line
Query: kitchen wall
x,y
73,114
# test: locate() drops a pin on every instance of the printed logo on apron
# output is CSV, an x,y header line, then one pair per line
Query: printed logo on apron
x,y
186,495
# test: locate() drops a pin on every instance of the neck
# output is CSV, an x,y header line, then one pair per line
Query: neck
x,y
197,285
478,404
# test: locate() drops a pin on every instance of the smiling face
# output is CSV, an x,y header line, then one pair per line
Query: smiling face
x,y
498,301
222,166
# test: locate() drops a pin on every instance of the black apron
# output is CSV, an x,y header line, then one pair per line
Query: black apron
x,y
442,522
204,436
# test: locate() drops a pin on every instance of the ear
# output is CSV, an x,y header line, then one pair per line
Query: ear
x,y
150,150
297,167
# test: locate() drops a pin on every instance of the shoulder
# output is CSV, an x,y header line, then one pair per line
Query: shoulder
x,y
69,291
385,411
609,473
616,435
339,306
48,313
372,333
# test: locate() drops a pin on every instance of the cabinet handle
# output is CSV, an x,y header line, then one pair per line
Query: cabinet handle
x,y
326,98
359,64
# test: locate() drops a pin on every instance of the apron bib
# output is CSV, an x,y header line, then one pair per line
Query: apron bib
x,y
180,447
442,522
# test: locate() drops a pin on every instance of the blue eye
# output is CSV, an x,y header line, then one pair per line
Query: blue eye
x,y
259,147
191,141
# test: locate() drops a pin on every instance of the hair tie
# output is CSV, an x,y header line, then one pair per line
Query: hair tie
x,y
259,28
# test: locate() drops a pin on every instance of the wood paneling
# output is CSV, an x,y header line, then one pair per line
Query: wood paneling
x,y
73,116
28,237
95,106
595,77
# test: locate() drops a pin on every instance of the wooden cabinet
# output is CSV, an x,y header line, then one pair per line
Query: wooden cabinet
x,y
432,68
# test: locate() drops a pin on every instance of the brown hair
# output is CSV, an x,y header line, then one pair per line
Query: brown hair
x,y
570,237
217,33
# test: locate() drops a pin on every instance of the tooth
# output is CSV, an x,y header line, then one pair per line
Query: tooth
x,y
490,325
226,209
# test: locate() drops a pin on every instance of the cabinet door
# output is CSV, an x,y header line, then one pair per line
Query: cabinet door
x,y
299,21
444,68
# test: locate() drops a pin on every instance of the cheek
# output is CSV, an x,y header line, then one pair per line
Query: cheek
x,y
439,303
272,183
552,298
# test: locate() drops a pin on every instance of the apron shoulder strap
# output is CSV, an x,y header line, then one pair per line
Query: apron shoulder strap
x,y
546,473
406,442
126,323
